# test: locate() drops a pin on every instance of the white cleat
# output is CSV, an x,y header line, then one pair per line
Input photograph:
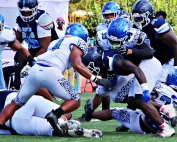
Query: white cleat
x,y
170,112
168,132
89,133
73,124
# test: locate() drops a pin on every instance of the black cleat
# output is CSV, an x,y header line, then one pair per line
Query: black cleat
x,y
88,110
121,128
53,120
81,119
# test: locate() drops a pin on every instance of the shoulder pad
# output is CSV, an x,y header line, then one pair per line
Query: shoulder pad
x,y
8,34
81,44
101,26
160,25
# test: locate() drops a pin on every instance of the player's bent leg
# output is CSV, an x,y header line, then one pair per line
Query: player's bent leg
x,y
67,106
105,102
129,118
96,102
88,108
151,112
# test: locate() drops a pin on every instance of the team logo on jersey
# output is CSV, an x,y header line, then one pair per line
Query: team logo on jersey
x,y
29,37
153,21
94,70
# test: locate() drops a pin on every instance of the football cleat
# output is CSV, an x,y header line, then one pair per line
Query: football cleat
x,y
170,112
88,108
53,120
168,132
81,119
89,133
73,124
121,128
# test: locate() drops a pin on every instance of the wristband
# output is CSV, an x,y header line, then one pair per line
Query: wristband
x,y
31,60
144,86
93,78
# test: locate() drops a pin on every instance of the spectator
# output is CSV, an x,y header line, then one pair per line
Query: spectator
x,y
60,29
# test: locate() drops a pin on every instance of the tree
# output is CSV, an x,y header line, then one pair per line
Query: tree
x,y
170,7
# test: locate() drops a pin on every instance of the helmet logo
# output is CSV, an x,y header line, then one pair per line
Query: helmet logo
x,y
107,11
94,70
68,30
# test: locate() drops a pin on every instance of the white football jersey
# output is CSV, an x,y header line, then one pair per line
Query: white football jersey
x,y
101,26
7,35
102,41
59,51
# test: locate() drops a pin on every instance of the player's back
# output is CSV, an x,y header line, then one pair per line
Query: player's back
x,y
59,52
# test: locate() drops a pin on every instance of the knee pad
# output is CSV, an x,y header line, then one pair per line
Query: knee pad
x,y
102,92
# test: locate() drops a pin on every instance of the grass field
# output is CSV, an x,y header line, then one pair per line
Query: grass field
x,y
107,127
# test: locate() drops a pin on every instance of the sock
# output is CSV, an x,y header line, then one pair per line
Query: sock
x,y
58,112
105,102
63,122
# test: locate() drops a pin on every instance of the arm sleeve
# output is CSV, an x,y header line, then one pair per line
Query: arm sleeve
x,y
143,52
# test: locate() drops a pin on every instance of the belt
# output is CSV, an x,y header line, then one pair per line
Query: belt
x,y
43,65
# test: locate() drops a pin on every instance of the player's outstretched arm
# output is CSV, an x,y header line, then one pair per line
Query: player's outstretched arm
x,y
75,58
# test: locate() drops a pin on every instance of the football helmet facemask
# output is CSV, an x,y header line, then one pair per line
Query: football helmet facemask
x,y
110,7
142,13
27,9
117,32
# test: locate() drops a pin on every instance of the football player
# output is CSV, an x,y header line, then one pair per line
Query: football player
x,y
137,122
133,120
161,36
118,38
37,38
48,73
8,39
32,119
110,11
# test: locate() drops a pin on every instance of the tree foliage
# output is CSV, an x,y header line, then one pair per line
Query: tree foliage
x,y
169,6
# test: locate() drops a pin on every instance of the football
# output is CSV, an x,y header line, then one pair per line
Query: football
x,y
45,21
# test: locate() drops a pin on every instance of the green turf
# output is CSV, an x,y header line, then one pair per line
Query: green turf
x,y
107,127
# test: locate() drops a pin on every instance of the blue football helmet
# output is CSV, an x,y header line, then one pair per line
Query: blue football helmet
x,y
27,6
77,29
117,32
142,13
1,23
172,80
93,60
110,7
